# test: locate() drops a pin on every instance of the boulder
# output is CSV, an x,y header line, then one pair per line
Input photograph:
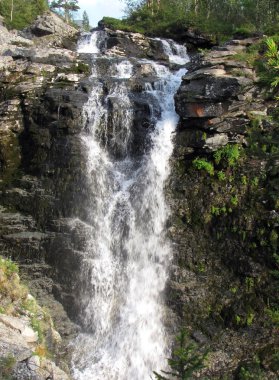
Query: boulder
x,y
22,325
50,23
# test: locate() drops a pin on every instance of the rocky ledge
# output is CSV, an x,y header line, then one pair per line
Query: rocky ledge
x,y
28,337
219,97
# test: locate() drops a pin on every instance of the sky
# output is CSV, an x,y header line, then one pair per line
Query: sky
x,y
97,9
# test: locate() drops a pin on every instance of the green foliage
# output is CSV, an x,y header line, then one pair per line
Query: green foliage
x,y
15,299
85,22
116,24
250,319
65,7
229,154
203,164
217,211
255,182
250,55
7,364
215,17
269,71
185,360
20,13
234,200
252,371
8,266
244,180
274,316
221,176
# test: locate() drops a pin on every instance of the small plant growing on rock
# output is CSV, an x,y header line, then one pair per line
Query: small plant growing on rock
x,y
230,154
7,364
272,64
234,200
203,164
185,360
221,175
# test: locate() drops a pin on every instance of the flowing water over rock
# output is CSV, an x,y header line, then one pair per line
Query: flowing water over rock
x,y
125,265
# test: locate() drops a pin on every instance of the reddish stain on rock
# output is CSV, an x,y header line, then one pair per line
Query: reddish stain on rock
x,y
197,110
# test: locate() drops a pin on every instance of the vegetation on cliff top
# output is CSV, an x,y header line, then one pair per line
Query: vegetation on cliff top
x,y
20,13
221,18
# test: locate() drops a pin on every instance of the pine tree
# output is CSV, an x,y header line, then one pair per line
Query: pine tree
x,y
67,6
85,22
184,362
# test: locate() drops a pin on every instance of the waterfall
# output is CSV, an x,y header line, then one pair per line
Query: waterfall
x,y
125,263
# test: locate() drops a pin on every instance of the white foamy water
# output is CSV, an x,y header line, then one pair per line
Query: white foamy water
x,y
177,53
90,42
123,70
125,269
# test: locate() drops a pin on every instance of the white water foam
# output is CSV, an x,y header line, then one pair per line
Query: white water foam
x,y
125,270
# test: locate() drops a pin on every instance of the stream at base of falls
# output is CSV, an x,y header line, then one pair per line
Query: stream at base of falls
x,y
125,263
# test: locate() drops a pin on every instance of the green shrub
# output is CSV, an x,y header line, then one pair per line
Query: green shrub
x,y
218,210
234,200
185,360
7,364
221,176
203,164
272,55
229,154
274,316
8,266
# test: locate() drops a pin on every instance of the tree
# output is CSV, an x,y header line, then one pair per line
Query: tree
x,y
85,22
219,17
67,6
20,13
184,361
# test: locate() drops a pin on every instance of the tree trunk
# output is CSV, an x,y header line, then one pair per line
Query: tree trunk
x,y
12,10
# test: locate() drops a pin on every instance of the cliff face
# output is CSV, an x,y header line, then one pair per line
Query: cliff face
x,y
223,189
224,195
40,160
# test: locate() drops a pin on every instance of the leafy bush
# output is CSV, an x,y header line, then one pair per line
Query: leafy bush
x,y
8,266
271,73
203,164
218,210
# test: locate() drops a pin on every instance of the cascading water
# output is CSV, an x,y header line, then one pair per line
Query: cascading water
x,y
125,266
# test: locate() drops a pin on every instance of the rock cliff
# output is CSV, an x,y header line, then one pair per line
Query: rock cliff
x,y
224,195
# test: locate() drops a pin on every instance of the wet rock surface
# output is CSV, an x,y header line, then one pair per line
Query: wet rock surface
x,y
41,101
222,275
